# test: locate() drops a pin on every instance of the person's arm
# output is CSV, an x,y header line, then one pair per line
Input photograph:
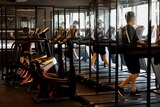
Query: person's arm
x,y
140,42
30,49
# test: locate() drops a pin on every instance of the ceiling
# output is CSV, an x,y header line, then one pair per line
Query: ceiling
x,y
50,2
65,3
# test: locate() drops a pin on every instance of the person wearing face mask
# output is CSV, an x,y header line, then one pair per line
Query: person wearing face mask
x,y
99,34
129,36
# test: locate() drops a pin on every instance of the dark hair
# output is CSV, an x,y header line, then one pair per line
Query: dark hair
x,y
99,21
76,22
25,29
63,23
129,16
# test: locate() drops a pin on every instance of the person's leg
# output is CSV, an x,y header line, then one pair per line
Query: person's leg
x,y
106,61
75,54
63,56
134,91
134,85
130,78
94,56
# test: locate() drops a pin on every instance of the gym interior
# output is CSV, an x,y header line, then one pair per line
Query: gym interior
x,y
79,53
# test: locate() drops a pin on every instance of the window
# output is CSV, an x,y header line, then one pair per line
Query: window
x,y
142,17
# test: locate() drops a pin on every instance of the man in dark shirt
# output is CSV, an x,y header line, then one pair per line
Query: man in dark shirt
x,y
130,37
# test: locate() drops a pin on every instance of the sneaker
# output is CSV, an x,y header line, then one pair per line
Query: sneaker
x,y
113,66
93,69
121,91
137,93
80,58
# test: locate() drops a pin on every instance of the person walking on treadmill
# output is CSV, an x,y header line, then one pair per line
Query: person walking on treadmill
x,y
129,36
25,48
62,27
99,49
76,35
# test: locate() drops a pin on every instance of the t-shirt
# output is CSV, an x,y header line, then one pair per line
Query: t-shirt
x,y
25,46
131,33
63,35
99,34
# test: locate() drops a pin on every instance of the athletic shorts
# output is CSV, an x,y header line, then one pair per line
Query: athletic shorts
x,y
58,51
132,63
99,49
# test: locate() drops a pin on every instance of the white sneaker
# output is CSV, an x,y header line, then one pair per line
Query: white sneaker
x,y
113,66
93,69
80,58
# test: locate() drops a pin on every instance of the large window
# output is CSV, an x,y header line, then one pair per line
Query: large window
x,y
122,12
142,17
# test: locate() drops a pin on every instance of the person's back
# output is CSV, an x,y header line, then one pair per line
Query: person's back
x,y
131,33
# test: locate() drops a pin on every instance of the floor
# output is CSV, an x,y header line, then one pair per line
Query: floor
x,y
19,97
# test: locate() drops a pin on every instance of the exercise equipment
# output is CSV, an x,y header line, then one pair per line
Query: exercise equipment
x,y
44,57
53,85
141,52
140,30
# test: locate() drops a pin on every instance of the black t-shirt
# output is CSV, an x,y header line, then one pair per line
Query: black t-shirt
x,y
25,46
63,35
131,61
99,34
131,33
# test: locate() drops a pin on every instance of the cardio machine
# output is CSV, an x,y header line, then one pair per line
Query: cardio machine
x,y
54,85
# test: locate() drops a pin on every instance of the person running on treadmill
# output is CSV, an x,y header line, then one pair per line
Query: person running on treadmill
x,y
129,36
63,34
99,49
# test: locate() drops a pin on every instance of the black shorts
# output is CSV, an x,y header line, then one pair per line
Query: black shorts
x,y
132,63
99,49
